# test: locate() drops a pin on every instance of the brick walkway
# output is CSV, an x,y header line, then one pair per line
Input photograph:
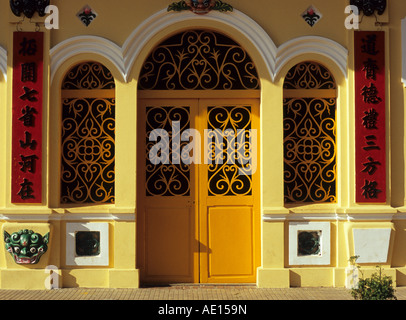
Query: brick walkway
x,y
187,292
189,302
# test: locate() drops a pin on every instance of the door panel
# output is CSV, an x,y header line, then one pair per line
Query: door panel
x,y
198,222
231,242
166,229
167,247
229,193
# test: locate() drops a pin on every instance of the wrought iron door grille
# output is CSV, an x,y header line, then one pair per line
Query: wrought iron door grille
x,y
229,138
173,178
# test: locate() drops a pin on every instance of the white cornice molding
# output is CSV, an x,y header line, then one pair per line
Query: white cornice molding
x,y
68,217
404,51
332,217
3,62
125,57
303,217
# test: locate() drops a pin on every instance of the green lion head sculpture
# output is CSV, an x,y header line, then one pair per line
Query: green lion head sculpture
x,y
26,246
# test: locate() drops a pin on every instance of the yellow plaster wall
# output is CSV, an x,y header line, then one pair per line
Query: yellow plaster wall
x,y
396,93
399,256
3,135
283,23
4,7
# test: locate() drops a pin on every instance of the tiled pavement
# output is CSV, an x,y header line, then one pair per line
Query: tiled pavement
x,y
190,302
187,292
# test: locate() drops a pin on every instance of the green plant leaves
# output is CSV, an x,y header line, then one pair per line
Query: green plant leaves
x,y
377,287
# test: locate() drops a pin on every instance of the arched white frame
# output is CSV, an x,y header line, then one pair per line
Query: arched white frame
x,y
125,57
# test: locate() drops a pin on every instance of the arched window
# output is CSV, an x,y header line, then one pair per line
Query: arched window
x,y
199,60
88,135
309,123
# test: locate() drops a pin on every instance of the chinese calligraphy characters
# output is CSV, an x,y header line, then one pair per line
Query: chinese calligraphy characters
x,y
370,117
27,117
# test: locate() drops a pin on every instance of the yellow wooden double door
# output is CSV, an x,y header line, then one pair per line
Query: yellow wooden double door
x,y
198,195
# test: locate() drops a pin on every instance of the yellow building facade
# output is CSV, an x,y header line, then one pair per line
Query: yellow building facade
x,y
118,80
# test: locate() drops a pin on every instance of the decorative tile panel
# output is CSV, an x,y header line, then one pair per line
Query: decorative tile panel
x,y
311,15
309,243
87,244
86,15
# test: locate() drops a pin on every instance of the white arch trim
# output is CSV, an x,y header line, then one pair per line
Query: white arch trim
x,y
86,44
3,62
312,44
124,58
236,19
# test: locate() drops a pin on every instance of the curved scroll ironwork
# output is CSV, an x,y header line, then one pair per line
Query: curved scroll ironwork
x,y
89,75
198,60
309,138
88,136
228,140
309,75
173,178
88,133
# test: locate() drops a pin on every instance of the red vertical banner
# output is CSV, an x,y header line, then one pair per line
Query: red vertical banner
x,y
28,56
370,105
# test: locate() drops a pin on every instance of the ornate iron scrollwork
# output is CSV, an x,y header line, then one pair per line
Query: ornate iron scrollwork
x,y
224,178
309,76
88,136
88,150
87,76
172,179
199,60
309,136
29,7
310,150
370,6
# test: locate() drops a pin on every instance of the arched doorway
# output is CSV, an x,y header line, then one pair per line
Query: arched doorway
x,y
198,175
